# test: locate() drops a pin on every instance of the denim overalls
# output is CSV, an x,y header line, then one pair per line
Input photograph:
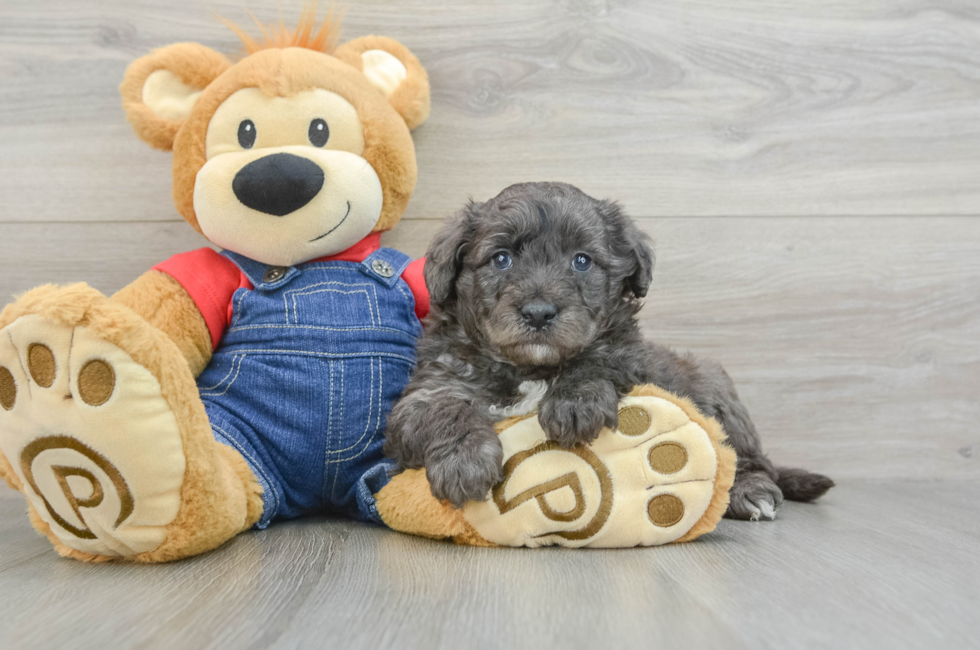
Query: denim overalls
x,y
303,380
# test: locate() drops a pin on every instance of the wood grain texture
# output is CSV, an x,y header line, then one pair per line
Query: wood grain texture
x,y
677,107
854,338
854,342
876,564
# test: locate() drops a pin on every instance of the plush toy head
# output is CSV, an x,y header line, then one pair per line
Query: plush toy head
x,y
297,151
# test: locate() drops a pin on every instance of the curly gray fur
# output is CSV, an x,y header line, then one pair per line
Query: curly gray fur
x,y
481,361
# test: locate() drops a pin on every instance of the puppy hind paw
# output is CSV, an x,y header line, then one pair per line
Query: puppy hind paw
x,y
754,498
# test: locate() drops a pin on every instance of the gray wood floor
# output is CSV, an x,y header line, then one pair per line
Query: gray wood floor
x,y
809,170
877,564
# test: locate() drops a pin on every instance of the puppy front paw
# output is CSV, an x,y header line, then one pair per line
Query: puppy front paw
x,y
467,471
576,415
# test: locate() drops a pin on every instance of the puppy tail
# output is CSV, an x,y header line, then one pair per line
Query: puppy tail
x,y
801,485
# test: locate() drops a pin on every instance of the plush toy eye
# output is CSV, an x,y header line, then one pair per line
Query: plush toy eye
x,y
246,134
501,260
581,262
319,132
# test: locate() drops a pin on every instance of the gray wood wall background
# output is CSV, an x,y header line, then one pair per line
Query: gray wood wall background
x,y
809,170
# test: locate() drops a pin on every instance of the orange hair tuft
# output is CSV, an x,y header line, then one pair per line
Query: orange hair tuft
x,y
323,39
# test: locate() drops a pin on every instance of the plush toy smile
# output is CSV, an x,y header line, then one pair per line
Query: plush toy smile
x,y
346,214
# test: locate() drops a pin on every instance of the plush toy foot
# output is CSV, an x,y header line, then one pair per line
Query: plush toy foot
x,y
663,476
102,429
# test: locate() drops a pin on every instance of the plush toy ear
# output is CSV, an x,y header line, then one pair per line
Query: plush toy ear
x,y
394,70
159,89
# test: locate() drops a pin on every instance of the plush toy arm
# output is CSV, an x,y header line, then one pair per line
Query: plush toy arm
x,y
166,305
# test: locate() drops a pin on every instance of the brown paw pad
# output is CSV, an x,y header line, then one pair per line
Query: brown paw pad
x,y
668,457
665,510
634,420
96,381
8,389
40,361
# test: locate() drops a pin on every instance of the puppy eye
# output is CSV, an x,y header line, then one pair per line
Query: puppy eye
x,y
581,262
246,134
501,260
319,132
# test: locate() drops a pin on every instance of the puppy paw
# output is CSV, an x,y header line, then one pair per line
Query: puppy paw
x,y
466,472
576,415
754,497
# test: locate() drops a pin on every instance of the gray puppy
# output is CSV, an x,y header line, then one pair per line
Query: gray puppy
x,y
534,301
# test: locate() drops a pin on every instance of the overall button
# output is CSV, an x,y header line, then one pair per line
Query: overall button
x,y
382,268
274,274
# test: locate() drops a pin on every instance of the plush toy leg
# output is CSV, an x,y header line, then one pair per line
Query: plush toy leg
x,y
663,476
102,428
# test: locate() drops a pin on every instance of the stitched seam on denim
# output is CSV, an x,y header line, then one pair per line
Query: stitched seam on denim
x,y
302,291
254,275
372,297
330,423
234,362
237,315
329,355
398,260
371,410
374,317
331,265
241,358
367,426
256,467
412,304
349,285
327,463
324,327
405,291
294,295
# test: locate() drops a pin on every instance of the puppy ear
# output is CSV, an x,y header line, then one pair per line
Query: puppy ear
x,y
160,89
444,259
395,71
631,245
639,282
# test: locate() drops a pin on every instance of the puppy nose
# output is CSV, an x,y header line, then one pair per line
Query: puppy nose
x,y
538,315
278,184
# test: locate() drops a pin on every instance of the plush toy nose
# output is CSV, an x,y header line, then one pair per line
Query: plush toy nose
x,y
278,184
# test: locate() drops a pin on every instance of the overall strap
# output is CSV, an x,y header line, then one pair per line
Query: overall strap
x,y
386,265
262,276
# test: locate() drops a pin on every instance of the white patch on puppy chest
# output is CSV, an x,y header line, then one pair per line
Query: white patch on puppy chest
x,y
533,392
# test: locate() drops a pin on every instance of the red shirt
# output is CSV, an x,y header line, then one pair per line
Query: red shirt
x,y
212,279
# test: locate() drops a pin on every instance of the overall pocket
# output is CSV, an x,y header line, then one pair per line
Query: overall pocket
x,y
334,303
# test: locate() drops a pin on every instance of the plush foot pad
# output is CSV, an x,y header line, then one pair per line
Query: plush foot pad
x,y
68,404
647,483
